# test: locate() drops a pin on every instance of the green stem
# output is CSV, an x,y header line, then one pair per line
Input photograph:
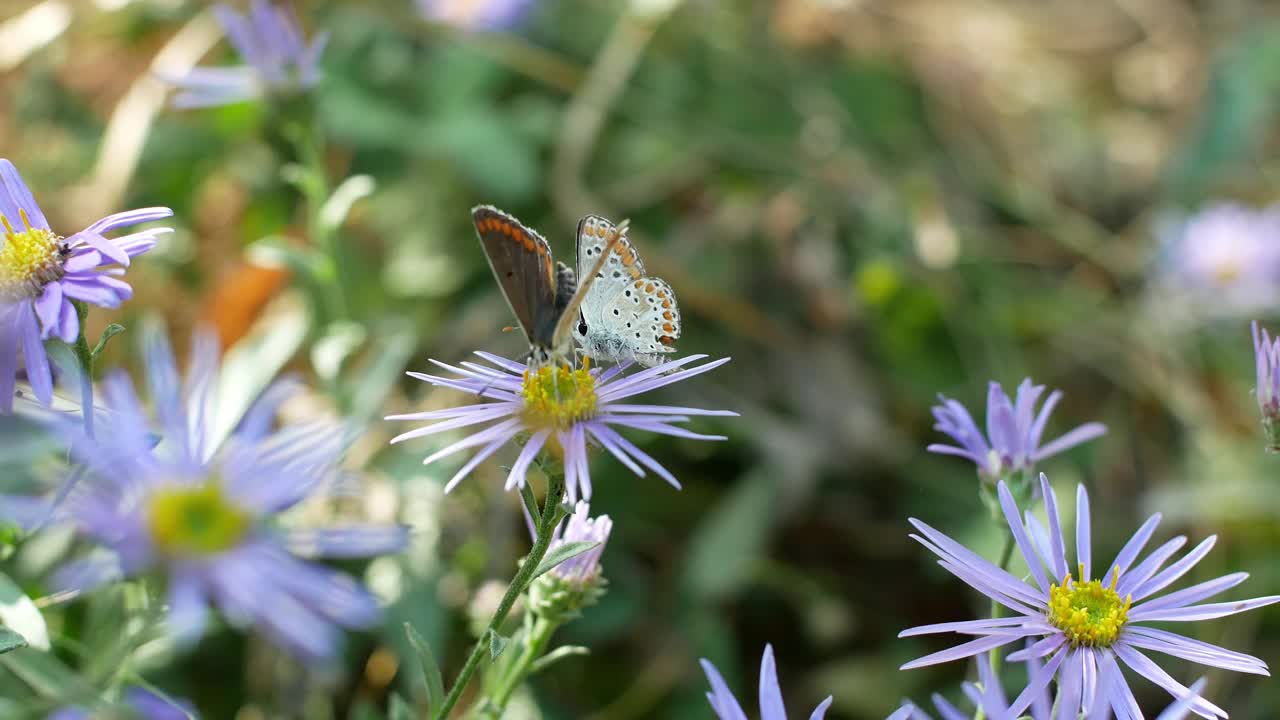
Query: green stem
x,y
546,527
997,610
311,153
85,357
534,647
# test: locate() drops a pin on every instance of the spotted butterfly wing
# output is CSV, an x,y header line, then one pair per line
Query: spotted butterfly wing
x,y
626,315
536,288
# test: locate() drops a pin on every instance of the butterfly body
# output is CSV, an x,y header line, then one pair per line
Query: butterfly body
x,y
544,295
626,315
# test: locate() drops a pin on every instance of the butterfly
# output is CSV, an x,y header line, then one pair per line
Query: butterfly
x,y
543,294
625,316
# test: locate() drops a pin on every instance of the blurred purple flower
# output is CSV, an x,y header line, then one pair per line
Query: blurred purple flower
x,y
726,705
203,515
475,14
1229,254
988,696
562,406
1014,429
584,568
1266,352
41,272
1085,626
278,60
143,704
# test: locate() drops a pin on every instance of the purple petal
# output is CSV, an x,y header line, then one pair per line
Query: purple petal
x,y
126,219
1131,549
1143,665
964,650
771,707
1206,612
1079,435
1189,595
347,542
1175,571
15,198
1084,547
722,701
1059,553
33,354
1020,535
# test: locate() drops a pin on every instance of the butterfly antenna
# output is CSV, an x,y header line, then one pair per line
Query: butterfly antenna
x,y
570,314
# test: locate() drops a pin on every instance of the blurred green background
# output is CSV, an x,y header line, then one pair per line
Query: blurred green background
x,y
863,202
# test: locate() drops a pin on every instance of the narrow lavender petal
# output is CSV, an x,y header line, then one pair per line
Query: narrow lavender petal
x,y
8,358
1072,438
90,291
627,447
68,325
1070,683
474,462
135,244
820,712
240,32
1020,535
1114,692
1056,545
16,197
1002,427
666,410
204,98
48,307
1040,541
1204,612
663,429
510,366
1196,651
127,218
1189,595
166,389
1088,677
458,412
33,353
771,707
108,249
503,431
964,650
958,452
1148,567
83,259
1039,649
1175,571
1143,665
982,583
964,627
476,414
1000,578
1084,546
1181,707
347,542
643,382
188,607
1131,549
1024,415
200,391
722,700
257,420
527,454
954,419
1036,431
607,443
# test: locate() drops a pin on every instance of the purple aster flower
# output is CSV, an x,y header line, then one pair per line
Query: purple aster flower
x,y
726,705
1014,428
475,14
278,59
1086,626
204,516
1227,254
988,696
41,273
584,568
142,704
563,406
1266,352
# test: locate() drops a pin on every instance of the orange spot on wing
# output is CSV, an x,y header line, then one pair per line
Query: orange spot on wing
x,y
667,340
666,315
666,304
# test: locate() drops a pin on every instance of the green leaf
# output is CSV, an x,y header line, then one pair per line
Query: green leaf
x,y
559,554
430,668
21,615
108,332
557,655
530,502
49,677
10,640
730,539
497,643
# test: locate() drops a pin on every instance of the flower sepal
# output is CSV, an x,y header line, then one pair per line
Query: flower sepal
x,y
559,600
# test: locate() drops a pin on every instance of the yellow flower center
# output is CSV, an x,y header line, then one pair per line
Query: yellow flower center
x,y
29,260
197,520
557,397
1089,614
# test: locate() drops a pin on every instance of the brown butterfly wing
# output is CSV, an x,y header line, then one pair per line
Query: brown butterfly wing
x,y
521,261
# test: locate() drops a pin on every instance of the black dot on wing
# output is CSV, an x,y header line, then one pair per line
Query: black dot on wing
x,y
615,312
510,273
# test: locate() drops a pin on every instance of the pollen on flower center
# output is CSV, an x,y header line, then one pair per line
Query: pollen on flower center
x,y
557,397
29,260
197,520
1090,614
